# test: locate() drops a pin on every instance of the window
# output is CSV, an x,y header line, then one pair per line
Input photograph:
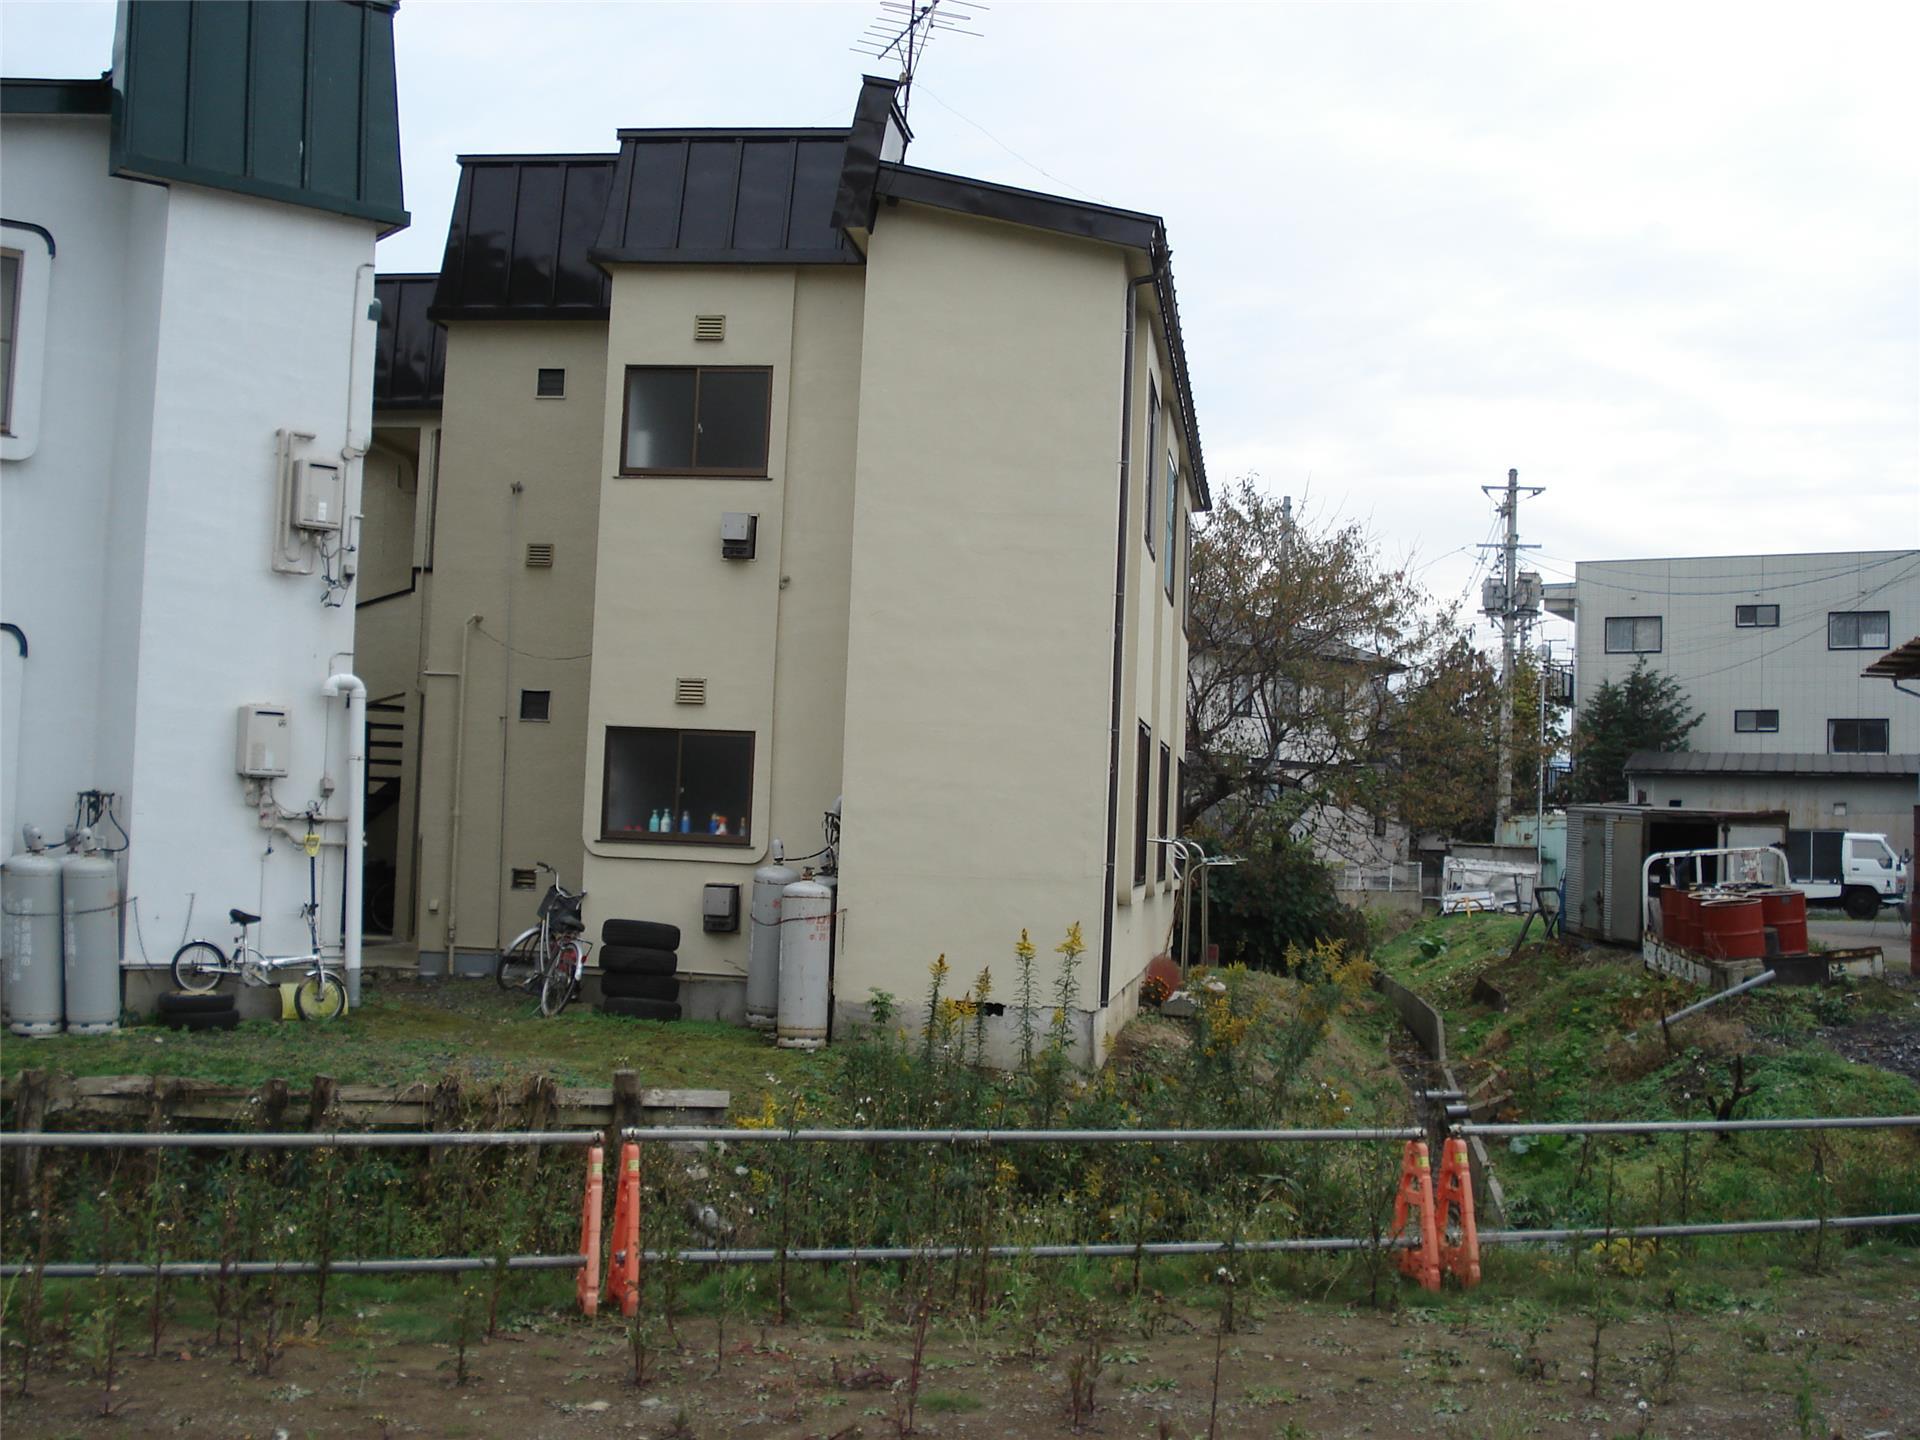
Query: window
x,y
1242,694
1856,737
9,325
1756,722
1870,852
536,704
678,786
1173,510
1766,617
1633,634
1857,630
550,384
687,421
1166,787
1152,460
1142,788
1379,827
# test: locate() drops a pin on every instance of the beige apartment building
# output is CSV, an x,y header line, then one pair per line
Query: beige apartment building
x,y
749,475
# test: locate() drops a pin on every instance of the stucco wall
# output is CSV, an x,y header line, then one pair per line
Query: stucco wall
x,y
185,327
1872,806
769,635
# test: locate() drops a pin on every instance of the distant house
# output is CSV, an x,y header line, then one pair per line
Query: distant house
x,y
1769,649
186,280
766,469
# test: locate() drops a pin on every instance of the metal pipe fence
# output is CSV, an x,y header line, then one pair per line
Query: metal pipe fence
x,y
1021,1137
292,1140
1695,1127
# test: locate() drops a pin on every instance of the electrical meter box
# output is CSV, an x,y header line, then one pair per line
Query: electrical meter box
x,y
265,742
319,495
720,909
739,533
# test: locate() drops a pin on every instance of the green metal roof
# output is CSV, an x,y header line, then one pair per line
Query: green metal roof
x,y
294,102
54,97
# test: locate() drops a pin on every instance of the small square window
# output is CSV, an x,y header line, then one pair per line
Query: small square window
x,y
551,385
1633,634
1756,722
1764,617
1858,629
1856,737
536,704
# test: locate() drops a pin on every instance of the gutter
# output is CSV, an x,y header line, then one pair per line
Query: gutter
x,y
1119,628
356,842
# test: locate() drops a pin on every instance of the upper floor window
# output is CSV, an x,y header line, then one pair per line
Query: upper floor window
x,y
1856,737
1633,634
9,324
1765,617
1172,555
677,786
1153,459
1756,722
26,278
1242,695
688,420
1858,630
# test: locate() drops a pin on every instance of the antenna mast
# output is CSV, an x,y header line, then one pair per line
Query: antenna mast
x,y
905,28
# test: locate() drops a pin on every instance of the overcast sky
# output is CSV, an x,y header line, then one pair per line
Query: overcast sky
x,y
1661,258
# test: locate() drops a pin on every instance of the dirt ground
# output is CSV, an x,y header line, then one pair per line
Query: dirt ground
x,y
1785,1355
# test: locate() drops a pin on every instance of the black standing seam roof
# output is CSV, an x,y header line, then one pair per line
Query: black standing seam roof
x,y
410,353
757,197
517,247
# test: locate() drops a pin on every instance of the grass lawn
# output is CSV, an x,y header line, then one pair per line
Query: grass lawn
x,y
406,1030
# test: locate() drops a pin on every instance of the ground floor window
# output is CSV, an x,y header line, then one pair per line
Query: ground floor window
x,y
678,786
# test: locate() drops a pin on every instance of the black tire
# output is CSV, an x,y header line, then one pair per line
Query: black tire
x,y
640,1009
220,1020
559,985
640,987
518,967
637,960
183,1002
649,934
199,966
1860,903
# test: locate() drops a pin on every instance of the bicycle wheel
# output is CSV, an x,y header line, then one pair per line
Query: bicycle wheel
x,y
320,995
562,982
520,965
199,966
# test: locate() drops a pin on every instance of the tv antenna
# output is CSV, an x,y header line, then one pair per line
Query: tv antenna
x,y
905,28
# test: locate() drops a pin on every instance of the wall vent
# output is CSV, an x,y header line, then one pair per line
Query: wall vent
x,y
523,879
689,692
709,327
540,555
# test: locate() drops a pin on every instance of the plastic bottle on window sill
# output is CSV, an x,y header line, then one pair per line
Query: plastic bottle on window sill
x,y
723,825
686,822
653,822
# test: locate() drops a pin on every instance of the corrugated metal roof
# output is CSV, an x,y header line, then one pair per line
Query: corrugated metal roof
x,y
289,102
1722,762
1902,663
757,197
410,356
517,246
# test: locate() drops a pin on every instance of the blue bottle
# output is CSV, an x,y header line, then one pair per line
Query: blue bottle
x,y
686,822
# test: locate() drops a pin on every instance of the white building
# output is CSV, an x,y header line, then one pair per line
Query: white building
x,y
188,297
1769,649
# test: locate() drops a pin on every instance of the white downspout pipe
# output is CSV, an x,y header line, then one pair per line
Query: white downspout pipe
x,y
356,819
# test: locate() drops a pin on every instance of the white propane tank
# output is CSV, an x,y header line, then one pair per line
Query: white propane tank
x,y
30,899
806,937
89,902
763,942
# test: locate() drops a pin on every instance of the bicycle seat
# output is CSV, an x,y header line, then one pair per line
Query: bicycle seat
x,y
241,917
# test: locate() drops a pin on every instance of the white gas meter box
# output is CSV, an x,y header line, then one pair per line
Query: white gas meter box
x,y
319,495
265,742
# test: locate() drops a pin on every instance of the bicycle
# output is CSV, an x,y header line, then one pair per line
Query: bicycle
x,y
539,952
200,965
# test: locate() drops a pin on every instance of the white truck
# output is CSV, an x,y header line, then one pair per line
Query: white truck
x,y
1856,871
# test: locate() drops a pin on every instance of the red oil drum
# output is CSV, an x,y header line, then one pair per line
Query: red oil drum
x,y
1732,929
1786,912
1690,902
1678,927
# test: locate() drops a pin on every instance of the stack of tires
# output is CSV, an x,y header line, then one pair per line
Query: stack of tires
x,y
181,1010
639,969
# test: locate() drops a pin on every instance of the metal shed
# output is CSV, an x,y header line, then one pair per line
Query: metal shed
x,y
1607,845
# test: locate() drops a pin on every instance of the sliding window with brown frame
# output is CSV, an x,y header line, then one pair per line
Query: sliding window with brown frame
x,y
696,420
662,777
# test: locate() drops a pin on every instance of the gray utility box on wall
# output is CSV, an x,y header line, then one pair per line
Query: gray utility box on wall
x,y
720,909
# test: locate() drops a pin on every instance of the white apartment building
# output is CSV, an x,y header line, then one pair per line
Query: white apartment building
x,y
188,355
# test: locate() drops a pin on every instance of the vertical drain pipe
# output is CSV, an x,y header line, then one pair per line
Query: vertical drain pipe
x,y
356,846
459,773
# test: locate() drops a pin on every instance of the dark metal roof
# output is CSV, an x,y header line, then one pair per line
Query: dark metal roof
x,y
1721,762
289,102
1902,663
517,248
756,197
55,97
410,355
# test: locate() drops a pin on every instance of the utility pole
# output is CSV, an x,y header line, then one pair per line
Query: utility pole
x,y
1511,598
